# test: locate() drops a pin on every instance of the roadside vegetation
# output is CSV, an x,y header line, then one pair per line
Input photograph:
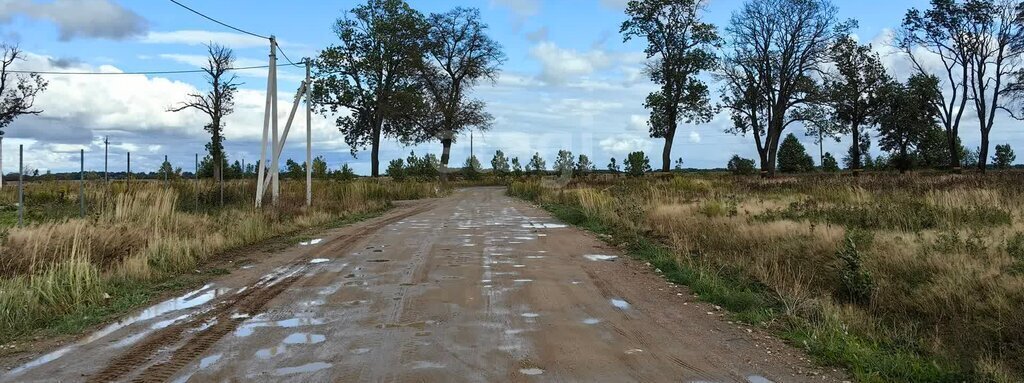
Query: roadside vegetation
x,y
64,272
895,277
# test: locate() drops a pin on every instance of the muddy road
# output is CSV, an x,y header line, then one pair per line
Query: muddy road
x,y
476,287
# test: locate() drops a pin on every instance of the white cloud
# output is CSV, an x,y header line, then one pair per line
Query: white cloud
x,y
561,65
521,8
694,137
623,144
198,37
79,18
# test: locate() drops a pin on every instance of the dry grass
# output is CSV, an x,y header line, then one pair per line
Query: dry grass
x,y
58,265
936,254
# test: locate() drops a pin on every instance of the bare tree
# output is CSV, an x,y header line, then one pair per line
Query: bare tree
x,y
217,103
775,53
458,54
17,91
997,29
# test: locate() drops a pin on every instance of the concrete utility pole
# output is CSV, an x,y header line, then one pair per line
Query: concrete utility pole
x,y
309,138
166,166
128,176
275,185
269,113
21,186
1,158
196,177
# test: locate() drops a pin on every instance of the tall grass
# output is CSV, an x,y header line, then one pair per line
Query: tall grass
x,y
147,233
911,278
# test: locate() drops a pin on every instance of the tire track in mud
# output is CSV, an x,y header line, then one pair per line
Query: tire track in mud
x,y
222,319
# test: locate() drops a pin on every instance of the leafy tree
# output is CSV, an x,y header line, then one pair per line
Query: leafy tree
x,y
933,150
372,73
423,168
499,163
1004,156
536,165
396,169
207,167
740,166
168,169
564,164
908,113
637,164
583,165
293,170
681,46
613,167
517,170
852,92
458,54
319,167
829,163
778,47
969,157
679,165
346,173
793,158
863,148
471,169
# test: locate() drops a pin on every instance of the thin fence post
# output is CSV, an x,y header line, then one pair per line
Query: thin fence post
x,y
196,177
128,176
81,184
21,186
166,165
106,150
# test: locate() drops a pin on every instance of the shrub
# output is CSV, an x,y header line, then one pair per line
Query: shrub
x,y
396,169
829,163
740,166
471,169
1004,157
637,164
793,158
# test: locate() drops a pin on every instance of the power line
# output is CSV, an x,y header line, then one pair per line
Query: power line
x,y
138,73
218,21
284,54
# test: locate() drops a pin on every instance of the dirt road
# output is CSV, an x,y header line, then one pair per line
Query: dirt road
x,y
476,287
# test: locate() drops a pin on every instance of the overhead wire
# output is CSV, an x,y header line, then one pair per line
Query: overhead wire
x,y
139,72
219,22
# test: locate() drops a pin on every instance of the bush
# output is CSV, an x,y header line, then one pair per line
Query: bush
x,y
637,164
1004,156
855,282
793,158
741,166
396,169
829,163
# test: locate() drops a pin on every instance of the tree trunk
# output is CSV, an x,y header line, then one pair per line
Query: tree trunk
x,y
375,153
954,151
772,145
855,166
446,154
983,151
666,154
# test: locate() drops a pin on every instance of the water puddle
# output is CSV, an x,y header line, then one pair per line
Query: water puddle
x,y
518,266
523,280
209,361
596,257
591,321
544,226
319,260
530,315
534,257
247,327
311,242
634,351
422,364
758,379
305,368
190,300
620,304
359,351
304,338
531,371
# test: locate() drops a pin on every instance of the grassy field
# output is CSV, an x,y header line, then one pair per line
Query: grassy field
x,y
61,273
897,278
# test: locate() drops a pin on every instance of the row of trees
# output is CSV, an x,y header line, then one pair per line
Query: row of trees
x,y
788,62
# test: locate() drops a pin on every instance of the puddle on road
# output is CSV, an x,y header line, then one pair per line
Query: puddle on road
x,y
422,364
209,361
359,351
534,257
305,368
247,327
634,351
596,257
758,379
304,338
620,304
531,371
544,226
523,280
591,321
530,315
311,242
192,299
319,260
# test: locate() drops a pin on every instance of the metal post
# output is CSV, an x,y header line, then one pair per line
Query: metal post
x,y
106,147
196,177
220,165
275,186
309,139
167,183
81,183
21,186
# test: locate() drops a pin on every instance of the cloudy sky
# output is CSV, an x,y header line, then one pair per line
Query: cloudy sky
x,y
569,83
